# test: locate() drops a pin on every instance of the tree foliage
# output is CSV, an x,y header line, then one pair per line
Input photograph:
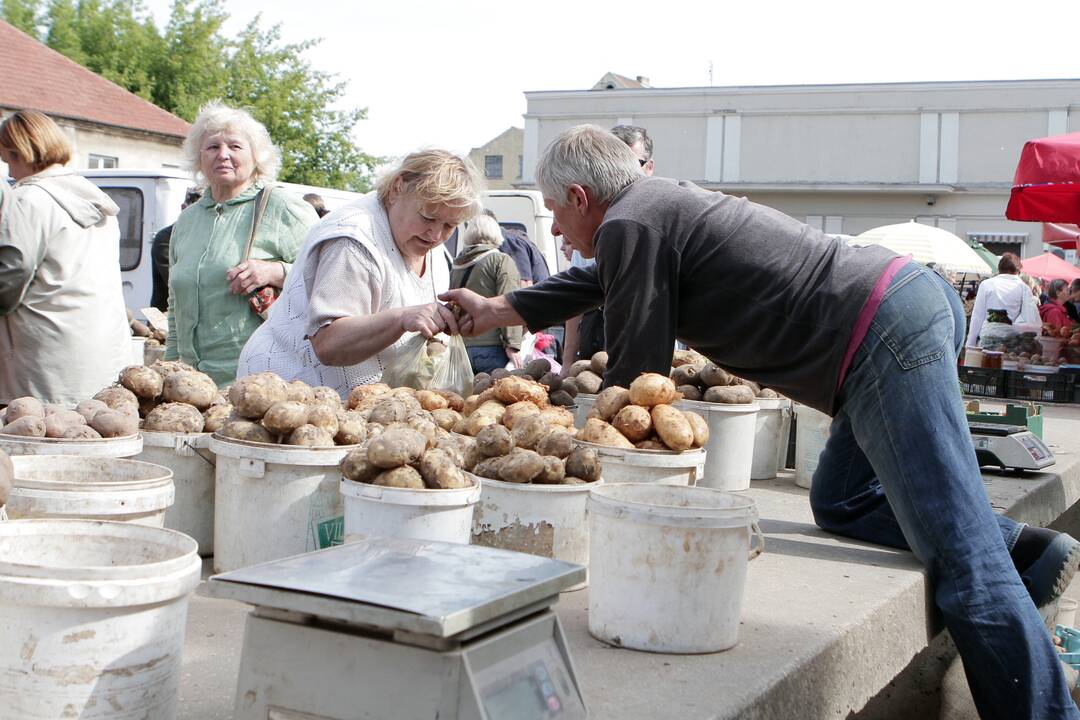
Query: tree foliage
x,y
192,61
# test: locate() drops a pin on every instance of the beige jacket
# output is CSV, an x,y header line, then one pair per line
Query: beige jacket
x,y
63,327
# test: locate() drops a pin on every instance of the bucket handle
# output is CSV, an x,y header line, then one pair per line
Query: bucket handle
x,y
758,547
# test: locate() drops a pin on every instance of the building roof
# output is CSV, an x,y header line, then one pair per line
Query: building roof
x,y
39,78
614,81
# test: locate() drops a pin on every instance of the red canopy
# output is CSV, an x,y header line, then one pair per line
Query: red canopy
x,y
1061,235
1049,266
1046,187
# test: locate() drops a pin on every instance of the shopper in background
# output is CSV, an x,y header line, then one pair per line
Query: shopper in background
x,y
1053,310
1005,291
159,256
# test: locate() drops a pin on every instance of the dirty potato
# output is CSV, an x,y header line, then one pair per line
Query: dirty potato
x,y
570,387
59,422
446,418
175,417
489,467
672,427
519,411
650,389
510,390
493,409
400,477
557,416
247,430
360,393
253,395
610,401
699,427
731,394
120,399
494,440
82,432
439,471
588,382
556,444
191,387
396,447
477,422
690,392
142,381
324,416
598,363
768,394
352,429
553,473
713,375
356,467
425,427
578,367
215,417
87,408
521,466
388,411
164,368
634,422
430,400
310,436
598,432
283,417
25,426
537,368
583,463
686,374
560,398
326,396
530,431
299,391
113,423
651,444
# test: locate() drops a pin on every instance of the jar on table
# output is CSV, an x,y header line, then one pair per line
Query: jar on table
x,y
992,359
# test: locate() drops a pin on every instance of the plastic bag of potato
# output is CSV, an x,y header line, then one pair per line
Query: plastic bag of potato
x,y
423,365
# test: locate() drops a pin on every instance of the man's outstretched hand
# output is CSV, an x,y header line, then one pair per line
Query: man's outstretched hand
x,y
477,314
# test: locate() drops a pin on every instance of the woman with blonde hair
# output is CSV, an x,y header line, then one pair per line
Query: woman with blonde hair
x,y
239,239
368,276
482,268
63,327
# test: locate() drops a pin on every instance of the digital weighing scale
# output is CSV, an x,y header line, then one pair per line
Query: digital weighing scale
x,y
1009,447
397,628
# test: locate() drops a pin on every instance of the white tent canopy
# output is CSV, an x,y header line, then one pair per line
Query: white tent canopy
x,y
927,244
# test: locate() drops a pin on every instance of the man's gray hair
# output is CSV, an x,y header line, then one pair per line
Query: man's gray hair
x,y
590,156
632,135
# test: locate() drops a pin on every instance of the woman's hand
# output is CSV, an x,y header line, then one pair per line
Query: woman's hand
x,y
250,275
428,320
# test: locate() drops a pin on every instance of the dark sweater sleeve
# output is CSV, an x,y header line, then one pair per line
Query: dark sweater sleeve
x,y
640,275
559,298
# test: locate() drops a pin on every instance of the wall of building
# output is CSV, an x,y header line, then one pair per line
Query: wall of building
x,y
508,146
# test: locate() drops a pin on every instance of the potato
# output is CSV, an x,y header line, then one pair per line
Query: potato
x,y
24,407
521,466
81,432
687,357
215,417
52,409
191,387
556,444
489,467
519,411
568,480
219,399
537,368
530,431
651,444
446,418
600,433
164,368
310,436
480,386
598,363
471,457
324,416
768,393
686,375
400,477
732,394
87,408
477,422
588,382
515,389
714,376
560,398
699,427
553,473
425,427
59,422
610,401
557,416
471,403
492,409
494,440
356,467
453,401
119,398
175,417
298,391
360,393
352,429
247,430
650,389
25,426
146,406
388,411
583,463
750,384
253,395
570,387
551,381
283,417
396,447
634,422
488,396
139,329
142,381
673,428
431,400
690,392
578,367
326,396
113,423
439,471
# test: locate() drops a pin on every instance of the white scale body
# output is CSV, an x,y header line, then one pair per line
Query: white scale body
x,y
400,629
1009,447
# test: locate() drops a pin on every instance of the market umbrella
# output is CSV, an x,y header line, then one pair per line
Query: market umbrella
x,y
990,258
1046,187
1062,235
1049,266
927,244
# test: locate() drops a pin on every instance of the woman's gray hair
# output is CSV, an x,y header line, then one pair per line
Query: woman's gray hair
x,y
1057,287
214,117
483,230
590,156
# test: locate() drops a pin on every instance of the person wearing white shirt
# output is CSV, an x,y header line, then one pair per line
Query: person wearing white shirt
x,y
1005,291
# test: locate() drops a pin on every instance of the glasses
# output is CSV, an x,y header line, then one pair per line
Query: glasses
x,y
642,162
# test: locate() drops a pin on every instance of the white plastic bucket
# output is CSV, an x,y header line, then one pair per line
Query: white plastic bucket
x,y
92,618
268,499
444,515
48,486
811,434
122,447
649,466
584,403
771,434
192,465
730,450
138,351
668,566
544,520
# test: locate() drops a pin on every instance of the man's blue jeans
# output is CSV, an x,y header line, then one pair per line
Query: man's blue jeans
x,y
485,358
899,469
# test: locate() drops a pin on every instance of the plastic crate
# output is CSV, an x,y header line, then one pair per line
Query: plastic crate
x,y
1070,643
1043,387
982,382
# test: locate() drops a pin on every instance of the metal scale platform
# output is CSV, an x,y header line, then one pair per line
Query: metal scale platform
x,y
397,629
1009,447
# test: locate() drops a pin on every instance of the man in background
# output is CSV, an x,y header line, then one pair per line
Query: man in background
x,y
159,256
527,258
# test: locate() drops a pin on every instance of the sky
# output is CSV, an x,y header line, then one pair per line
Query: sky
x,y
453,73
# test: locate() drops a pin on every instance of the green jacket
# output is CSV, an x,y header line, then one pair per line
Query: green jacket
x,y
493,273
208,325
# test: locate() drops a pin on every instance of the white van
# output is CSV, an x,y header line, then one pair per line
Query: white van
x,y
524,210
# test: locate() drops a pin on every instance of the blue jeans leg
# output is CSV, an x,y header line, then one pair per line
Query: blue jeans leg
x,y
899,469
485,358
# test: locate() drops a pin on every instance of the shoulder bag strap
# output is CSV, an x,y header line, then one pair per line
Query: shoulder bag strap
x,y
256,217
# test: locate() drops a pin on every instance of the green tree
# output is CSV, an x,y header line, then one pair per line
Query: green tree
x,y
190,69
63,35
23,14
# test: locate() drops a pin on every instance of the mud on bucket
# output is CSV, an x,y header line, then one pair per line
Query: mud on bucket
x,y
668,566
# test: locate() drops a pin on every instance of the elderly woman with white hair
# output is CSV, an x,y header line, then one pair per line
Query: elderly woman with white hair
x,y
368,277
482,268
239,239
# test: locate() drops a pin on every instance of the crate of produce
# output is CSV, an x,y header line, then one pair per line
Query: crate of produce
x,y
982,381
1043,387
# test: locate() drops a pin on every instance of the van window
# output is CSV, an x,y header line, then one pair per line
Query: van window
x,y
130,202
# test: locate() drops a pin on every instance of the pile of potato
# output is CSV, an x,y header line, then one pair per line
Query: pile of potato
x,y
141,329
559,392
642,417
709,383
91,419
587,376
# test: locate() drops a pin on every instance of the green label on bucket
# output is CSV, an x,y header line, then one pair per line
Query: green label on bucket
x,y
331,532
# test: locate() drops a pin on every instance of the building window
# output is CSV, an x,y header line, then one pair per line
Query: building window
x,y
101,162
493,166
130,217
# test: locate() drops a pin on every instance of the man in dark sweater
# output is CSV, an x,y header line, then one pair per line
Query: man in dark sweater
x,y
858,333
